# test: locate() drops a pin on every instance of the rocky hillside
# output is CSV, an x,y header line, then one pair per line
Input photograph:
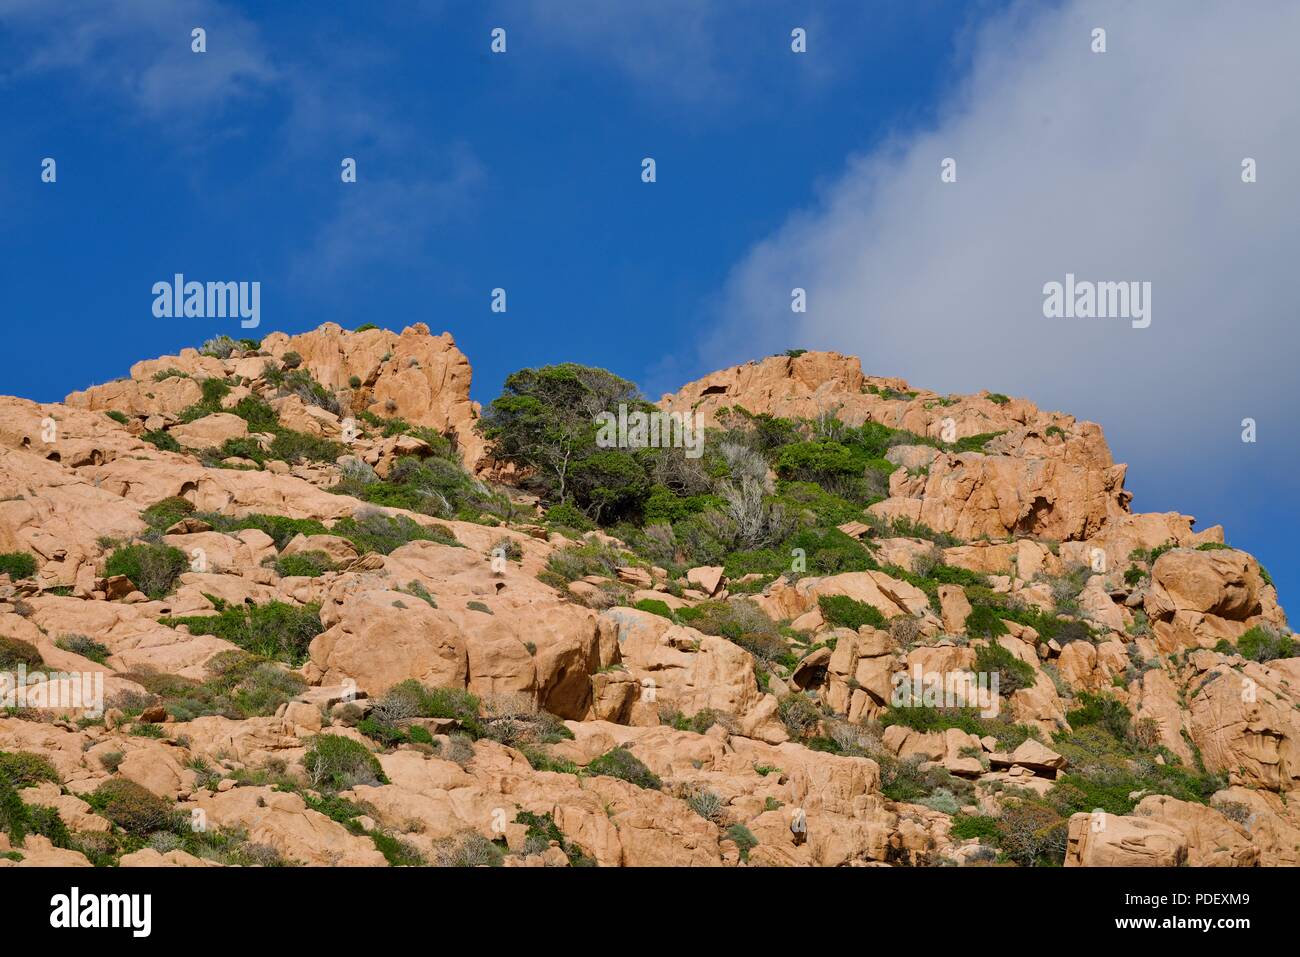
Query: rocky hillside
x,y
341,615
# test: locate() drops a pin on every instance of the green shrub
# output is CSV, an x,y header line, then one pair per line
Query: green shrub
x,y
1013,674
133,807
281,529
1103,711
24,769
1032,833
743,838
153,569
17,565
337,763
985,622
623,764
121,418
800,714
275,630
568,515
163,514
997,398
84,646
376,532
161,441
365,327
304,565
15,652
1264,644
964,827
844,612
655,607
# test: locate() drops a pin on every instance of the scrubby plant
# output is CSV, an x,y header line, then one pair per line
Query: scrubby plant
x,y
845,612
15,652
17,565
153,569
1013,674
84,646
337,763
621,763
133,807
275,630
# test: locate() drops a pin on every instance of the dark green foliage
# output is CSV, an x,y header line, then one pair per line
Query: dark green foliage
x,y
397,852
133,807
84,646
542,831
275,630
1264,644
167,512
24,769
337,763
162,441
376,532
1013,674
17,565
432,486
655,607
567,515
623,764
15,652
281,529
844,612
304,564
965,827
121,418
927,719
152,568
544,422
743,838
1101,710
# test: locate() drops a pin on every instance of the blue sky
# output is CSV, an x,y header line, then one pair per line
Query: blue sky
x,y
522,171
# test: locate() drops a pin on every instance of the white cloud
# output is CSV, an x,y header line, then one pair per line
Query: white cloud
x,y
140,51
1116,166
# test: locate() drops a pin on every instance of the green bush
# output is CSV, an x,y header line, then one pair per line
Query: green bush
x,y
800,714
337,763
304,565
1013,674
24,769
163,514
84,646
655,607
121,418
380,533
17,565
1103,711
133,807
623,764
15,652
985,622
161,441
844,612
568,515
275,630
1263,644
743,838
965,826
153,569
281,529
